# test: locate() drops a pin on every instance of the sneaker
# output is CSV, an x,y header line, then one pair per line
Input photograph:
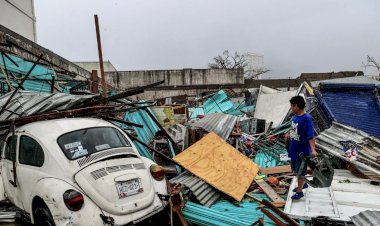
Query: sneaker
x,y
297,196
304,186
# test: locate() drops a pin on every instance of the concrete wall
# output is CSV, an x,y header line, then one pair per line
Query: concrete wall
x,y
19,16
94,65
158,94
184,77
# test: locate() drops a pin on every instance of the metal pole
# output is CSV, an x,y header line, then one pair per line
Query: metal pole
x,y
104,87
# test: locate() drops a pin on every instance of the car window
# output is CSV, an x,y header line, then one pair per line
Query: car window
x,y
31,152
10,148
82,142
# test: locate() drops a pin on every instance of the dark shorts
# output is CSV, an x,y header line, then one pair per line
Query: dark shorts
x,y
296,165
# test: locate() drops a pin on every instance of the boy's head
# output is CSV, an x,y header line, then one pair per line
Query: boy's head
x,y
297,104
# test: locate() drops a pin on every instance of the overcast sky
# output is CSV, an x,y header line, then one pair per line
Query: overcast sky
x,y
294,36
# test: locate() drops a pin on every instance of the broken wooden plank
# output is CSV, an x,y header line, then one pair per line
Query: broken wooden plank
x,y
276,169
271,193
251,196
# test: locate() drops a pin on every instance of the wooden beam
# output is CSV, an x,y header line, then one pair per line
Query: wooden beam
x,y
103,80
276,169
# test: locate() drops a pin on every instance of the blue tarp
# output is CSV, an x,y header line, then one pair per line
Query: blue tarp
x,y
355,105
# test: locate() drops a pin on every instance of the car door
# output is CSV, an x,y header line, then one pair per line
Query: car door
x,y
11,185
30,167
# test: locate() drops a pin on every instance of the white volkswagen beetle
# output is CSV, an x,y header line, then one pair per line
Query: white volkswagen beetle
x,y
80,171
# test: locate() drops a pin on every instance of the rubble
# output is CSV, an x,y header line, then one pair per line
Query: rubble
x,y
224,153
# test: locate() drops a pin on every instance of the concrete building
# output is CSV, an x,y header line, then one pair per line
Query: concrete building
x,y
19,16
255,65
94,65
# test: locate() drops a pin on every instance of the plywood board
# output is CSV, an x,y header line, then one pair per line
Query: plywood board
x,y
276,169
219,164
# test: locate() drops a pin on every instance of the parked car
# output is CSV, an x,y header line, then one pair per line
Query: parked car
x,y
80,171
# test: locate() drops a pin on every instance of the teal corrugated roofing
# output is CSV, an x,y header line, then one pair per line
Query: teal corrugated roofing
x,y
220,103
265,160
224,213
269,155
23,67
196,111
147,133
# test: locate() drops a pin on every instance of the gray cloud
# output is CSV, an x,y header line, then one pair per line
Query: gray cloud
x,y
295,36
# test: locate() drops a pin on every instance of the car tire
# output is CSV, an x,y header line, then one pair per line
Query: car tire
x,y
42,216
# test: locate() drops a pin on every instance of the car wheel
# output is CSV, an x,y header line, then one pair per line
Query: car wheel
x,y
43,217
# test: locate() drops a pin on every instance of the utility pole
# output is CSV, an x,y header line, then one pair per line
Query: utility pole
x,y
104,87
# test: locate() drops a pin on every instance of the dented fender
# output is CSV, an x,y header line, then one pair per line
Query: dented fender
x,y
51,190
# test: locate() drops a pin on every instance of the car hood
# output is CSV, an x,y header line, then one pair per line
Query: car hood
x,y
118,186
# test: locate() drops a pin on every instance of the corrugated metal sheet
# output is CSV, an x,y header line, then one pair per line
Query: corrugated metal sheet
x,y
147,133
367,218
369,147
221,103
270,153
196,111
225,213
351,104
273,107
26,103
350,80
218,103
221,124
40,72
205,194
346,197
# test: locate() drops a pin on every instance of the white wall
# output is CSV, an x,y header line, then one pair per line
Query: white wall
x,y
19,16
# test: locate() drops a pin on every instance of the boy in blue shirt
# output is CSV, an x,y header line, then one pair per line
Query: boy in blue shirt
x,y
302,140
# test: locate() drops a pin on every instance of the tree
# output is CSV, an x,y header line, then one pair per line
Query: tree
x,y
235,61
371,62
228,61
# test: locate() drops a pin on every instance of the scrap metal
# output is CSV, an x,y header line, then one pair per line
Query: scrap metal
x,y
205,194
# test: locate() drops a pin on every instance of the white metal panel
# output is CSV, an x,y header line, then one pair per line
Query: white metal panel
x,y
339,202
273,107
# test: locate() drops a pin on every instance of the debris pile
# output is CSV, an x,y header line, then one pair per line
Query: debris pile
x,y
226,155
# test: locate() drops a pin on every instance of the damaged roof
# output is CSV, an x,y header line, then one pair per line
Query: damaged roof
x,y
356,105
369,147
26,103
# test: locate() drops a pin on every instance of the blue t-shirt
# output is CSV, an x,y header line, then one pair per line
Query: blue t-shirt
x,y
301,132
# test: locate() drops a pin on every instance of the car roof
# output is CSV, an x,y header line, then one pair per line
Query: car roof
x,y
58,127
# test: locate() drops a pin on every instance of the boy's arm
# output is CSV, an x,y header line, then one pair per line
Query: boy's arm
x,y
312,145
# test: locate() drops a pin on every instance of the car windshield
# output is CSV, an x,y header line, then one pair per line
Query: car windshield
x,y
83,142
